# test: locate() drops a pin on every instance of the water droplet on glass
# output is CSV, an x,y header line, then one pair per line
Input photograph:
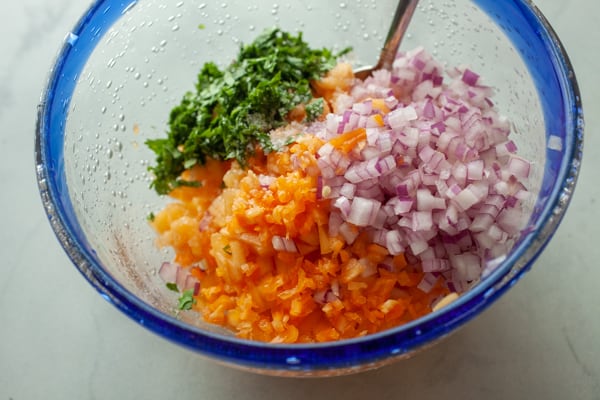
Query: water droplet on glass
x,y
179,4
72,38
175,28
342,5
103,110
108,84
201,6
121,117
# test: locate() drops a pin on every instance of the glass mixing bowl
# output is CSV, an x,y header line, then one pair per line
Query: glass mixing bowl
x,y
128,62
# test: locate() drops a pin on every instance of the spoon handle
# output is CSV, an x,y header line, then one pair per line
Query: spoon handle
x,y
402,17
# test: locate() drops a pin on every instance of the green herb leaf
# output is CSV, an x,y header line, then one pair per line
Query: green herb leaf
x,y
172,286
186,300
227,249
232,111
314,109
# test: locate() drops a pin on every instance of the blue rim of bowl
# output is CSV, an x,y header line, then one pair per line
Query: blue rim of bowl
x,y
345,355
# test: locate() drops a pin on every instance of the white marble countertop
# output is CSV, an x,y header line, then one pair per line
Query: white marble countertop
x,y
60,340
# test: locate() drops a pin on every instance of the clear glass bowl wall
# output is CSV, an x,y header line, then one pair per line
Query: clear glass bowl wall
x,y
143,56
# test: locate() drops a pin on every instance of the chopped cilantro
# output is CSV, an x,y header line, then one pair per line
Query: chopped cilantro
x,y
232,110
186,300
172,286
151,217
314,109
227,249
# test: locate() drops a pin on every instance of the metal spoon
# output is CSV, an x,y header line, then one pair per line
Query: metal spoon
x,y
402,17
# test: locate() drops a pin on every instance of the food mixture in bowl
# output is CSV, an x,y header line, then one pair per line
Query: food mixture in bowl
x,y
311,206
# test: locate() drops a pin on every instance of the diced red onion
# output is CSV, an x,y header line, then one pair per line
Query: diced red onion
x,y
363,108
467,265
436,181
168,272
399,117
205,222
481,223
422,220
265,180
418,245
393,240
470,78
363,211
436,265
401,205
391,102
428,110
190,283
386,164
181,277
475,170
519,167
347,190
344,205
427,283
510,220
465,199
348,232
427,202
281,243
